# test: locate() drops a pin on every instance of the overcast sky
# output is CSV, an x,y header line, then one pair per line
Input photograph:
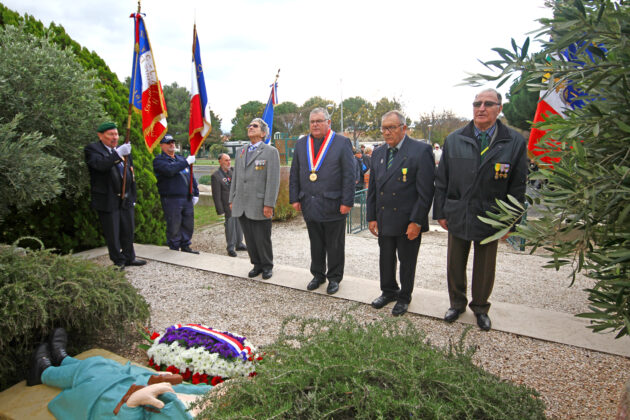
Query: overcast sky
x,y
416,51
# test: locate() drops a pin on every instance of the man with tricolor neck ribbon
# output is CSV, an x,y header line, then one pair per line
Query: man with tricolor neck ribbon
x,y
481,162
321,186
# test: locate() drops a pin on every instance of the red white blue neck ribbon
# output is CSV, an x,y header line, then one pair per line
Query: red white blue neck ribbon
x,y
315,162
239,349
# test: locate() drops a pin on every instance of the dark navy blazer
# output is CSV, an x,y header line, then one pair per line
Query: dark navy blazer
x,y
335,182
403,193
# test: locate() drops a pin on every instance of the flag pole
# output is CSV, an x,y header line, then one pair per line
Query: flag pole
x,y
127,138
194,45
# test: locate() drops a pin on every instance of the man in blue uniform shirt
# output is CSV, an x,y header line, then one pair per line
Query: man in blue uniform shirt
x,y
173,182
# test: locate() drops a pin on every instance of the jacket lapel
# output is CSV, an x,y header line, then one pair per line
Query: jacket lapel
x,y
399,161
253,156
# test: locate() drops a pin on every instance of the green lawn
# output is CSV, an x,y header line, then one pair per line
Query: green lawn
x,y
205,216
211,162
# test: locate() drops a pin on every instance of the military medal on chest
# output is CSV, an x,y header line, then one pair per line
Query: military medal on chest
x,y
404,172
501,170
315,162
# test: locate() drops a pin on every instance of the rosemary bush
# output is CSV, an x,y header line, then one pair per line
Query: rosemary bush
x,y
40,290
341,369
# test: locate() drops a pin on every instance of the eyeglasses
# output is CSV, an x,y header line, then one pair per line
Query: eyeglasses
x,y
487,104
390,128
253,125
313,122
170,142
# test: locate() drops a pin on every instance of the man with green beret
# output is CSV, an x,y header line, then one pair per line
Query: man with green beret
x,y
105,161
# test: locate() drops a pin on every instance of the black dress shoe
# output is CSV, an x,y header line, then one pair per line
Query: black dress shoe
x,y
40,361
58,341
382,300
400,308
189,250
232,253
267,274
254,272
452,314
333,287
483,320
136,262
314,284
241,248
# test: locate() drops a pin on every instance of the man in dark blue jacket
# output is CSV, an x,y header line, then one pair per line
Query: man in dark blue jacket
x,y
173,182
105,161
321,186
399,197
480,163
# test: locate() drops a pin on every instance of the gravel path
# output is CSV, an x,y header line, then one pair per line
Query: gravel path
x,y
574,383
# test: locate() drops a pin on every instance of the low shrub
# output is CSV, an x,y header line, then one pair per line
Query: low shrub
x,y
341,369
40,290
284,210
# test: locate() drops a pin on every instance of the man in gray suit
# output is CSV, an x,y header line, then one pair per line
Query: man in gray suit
x,y
221,181
253,195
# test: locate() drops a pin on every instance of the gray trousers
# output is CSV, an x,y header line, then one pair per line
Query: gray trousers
x,y
258,237
233,233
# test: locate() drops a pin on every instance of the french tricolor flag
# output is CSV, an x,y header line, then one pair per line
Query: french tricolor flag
x,y
199,125
145,91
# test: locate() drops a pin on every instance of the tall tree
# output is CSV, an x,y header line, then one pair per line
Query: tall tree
x,y
520,106
287,118
585,216
178,104
357,117
438,125
244,115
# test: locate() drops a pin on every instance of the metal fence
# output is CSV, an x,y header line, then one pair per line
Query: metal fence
x,y
356,219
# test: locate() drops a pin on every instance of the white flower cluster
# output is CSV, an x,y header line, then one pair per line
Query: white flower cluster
x,y
200,360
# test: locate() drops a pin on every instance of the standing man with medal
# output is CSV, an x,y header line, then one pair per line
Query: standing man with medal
x,y
321,186
399,197
481,162
253,195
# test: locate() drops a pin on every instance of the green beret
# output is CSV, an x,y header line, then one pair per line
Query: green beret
x,y
108,125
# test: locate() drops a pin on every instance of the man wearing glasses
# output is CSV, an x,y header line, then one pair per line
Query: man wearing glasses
x,y
321,186
253,195
399,197
173,182
481,162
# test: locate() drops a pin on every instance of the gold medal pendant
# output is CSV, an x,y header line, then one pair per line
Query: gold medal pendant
x,y
313,177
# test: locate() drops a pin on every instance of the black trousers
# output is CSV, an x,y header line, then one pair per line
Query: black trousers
x,y
484,265
258,238
328,242
118,227
407,251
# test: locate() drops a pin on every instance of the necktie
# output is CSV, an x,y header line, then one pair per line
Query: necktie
x,y
483,136
391,152
251,148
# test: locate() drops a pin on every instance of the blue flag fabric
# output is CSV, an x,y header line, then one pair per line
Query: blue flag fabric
x,y
268,113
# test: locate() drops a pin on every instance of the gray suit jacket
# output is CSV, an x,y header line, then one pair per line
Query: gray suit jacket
x,y
255,182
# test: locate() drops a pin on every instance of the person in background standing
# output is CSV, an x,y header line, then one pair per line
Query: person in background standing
x,y
221,181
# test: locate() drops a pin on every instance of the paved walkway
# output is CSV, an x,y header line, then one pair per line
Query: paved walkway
x,y
517,319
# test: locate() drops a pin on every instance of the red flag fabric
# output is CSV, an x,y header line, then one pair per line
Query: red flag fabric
x,y
145,91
